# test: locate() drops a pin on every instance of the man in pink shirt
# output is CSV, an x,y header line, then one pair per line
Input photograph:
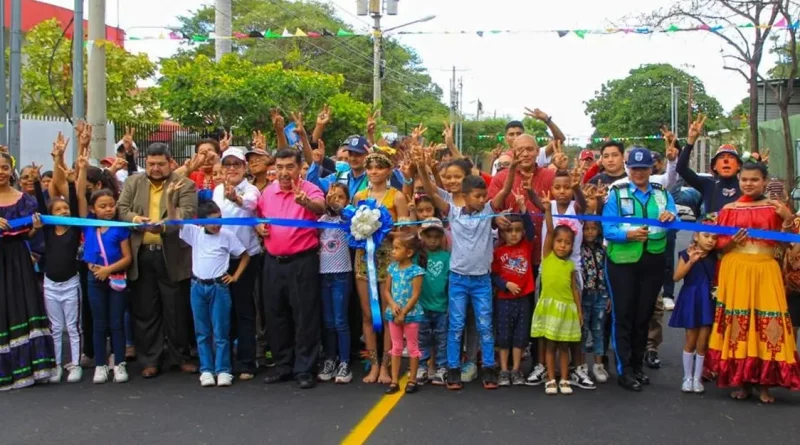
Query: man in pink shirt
x,y
291,272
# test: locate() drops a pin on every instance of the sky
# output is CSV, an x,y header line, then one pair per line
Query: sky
x,y
506,72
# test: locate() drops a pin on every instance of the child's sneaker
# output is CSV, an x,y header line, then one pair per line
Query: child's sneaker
x,y
517,378
504,379
580,377
469,371
120,373
489,378
75,373
328,371
56,377
100,374
600,374
343,374
207,379
551,388
565,388
422,375
536,376
697,386
454,379
439,377
686,386
224,379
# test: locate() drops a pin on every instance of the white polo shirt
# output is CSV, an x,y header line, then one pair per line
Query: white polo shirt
x,y
211,254
250,195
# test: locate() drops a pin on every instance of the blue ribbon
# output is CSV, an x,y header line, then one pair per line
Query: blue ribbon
x,y
370,245
387,224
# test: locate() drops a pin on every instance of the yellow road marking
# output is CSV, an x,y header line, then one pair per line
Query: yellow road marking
x,y
375,416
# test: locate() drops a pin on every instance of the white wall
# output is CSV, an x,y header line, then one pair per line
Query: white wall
x,y
38,134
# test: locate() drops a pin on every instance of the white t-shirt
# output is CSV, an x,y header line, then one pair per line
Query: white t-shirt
x,y
334,250
572,222
250,195
211,254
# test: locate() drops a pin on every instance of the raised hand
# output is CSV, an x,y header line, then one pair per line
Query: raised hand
x,y
225,141
198,160
37,221
669,137
68,173
36,172
59,147
278,123
84,131
521,203
576,176
536,114
127,139
324,116
695,254
259,140
372,121
174,186
300,196
83,159
696,129
781,209
672,152
418,132
298,122
497,152
447,133
417,155
230,192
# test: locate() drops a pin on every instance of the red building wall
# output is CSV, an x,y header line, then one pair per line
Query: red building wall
x,y
34,12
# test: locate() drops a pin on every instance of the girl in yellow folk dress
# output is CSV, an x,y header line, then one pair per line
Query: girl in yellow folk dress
x,y
752,341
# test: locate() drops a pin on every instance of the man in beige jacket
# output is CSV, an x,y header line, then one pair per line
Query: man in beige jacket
x,y
162,264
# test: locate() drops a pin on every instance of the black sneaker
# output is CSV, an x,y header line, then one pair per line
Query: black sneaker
x,y
454,379
651,360
580,378
490,378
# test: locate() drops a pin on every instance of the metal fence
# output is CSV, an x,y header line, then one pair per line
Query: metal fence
x,y
180,139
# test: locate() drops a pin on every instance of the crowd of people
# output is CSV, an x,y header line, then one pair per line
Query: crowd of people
x,y
478,268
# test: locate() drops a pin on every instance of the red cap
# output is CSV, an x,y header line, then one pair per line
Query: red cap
x,y
109,161
587,154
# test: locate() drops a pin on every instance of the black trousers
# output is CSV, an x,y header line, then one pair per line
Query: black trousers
x,y
243,314
87,322
634,290
161,312
292,311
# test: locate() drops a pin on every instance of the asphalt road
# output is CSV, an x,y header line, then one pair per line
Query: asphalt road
x,y
174,409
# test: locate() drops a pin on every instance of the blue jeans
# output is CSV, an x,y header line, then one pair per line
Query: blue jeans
x,y
477,290
108,317
593,303
211,307
335,299
433,331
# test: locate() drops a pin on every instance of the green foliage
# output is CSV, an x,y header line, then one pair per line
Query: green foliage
x,y
783,67
236,93
408,94
123,72
639,104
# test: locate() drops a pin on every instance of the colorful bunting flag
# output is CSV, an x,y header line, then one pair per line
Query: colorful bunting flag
x,y
326,33
562,33
580,32
342,33
174,36
480,33
673,28
780,23
300,33
271,35
286,33
314,34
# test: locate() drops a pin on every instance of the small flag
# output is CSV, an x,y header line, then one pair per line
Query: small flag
x,y
480,33
780,23
673,28
255,34
271,35
580,33
717,28
300,33
343,33
704,27
326,33
286,33
314,34
562,33
240,35
747,25
174,36
212,36
199,38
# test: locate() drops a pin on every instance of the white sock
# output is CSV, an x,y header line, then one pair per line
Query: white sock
x,y
698,365
688,358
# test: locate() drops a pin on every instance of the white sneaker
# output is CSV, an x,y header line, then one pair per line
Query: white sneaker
x,y
697,386
580,377
536,376
75,374
600,374
121,373
224,379
207,379
686,386
100,374
56,377
328,371
343,374
669,304
405,352
422,375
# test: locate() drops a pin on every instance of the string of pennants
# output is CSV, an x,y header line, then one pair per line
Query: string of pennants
x,y
581,33
500,138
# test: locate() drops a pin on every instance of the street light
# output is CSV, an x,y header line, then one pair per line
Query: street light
x,y
376,54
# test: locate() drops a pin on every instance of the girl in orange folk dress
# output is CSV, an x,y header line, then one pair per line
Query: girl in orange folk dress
x,y
752,341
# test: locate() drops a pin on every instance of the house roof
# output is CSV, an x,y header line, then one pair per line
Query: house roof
x,y
34,12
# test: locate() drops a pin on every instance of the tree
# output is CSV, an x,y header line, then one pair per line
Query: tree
x,y
640,104
124,70
236,93
408,93
747,26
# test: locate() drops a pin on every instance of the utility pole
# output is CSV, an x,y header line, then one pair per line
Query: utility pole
x,y
460,112
78,111
691,100
15,80
3,95
223,28
97,77
376,58
453,98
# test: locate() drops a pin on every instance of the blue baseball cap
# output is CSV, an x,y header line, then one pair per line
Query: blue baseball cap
x,y
640,158
356,144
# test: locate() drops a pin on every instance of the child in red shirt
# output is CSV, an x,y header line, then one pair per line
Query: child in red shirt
x,y
513,279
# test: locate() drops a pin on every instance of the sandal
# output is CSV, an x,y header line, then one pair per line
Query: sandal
x,y
411,387
740,394
550,388
392,389
565,387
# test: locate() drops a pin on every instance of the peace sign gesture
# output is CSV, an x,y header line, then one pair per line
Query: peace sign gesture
x,y
696,129
300,196
418,132
521,203
36,172
277,119
259,140
127,139
536,114
669,137
372,121
85,134
225,141
174,186
59,146
230,191
324,116
448,134
298,122
546,201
